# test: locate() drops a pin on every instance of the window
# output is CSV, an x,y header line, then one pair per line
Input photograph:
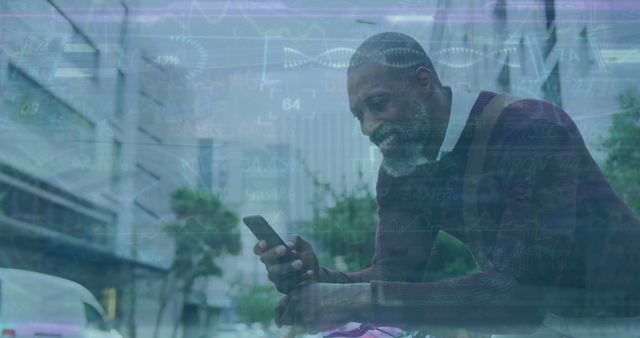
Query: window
x,y
31,202
38,110
83,56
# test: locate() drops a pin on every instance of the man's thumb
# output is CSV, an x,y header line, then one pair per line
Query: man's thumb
x,y
300,244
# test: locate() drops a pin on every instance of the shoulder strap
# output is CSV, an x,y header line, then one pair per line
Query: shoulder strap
x,y
473,223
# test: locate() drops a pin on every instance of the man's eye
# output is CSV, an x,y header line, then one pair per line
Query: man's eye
x,y
378,103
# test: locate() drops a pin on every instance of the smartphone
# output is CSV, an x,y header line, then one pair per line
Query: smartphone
x,y
263,231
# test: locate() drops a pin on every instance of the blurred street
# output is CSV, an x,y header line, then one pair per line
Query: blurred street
x,y
136,134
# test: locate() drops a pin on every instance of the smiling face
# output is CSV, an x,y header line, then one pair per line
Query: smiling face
x,y
393,112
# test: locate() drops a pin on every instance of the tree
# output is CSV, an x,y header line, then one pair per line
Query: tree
x,y
204,230
255,303
344,224
622,166
347,228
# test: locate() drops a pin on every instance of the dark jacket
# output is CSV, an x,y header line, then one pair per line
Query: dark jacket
x,y
557,237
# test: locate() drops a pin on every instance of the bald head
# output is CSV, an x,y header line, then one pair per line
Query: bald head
x,y
399,53
399,101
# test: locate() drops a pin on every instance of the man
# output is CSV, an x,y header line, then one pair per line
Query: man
x,y
553,241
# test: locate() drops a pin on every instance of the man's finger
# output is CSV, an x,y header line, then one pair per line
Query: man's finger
x,y
305,279
281,269
300,244
259,247
277,273
307,256
271,255
286,282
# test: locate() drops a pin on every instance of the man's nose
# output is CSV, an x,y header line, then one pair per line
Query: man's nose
x,y
369,124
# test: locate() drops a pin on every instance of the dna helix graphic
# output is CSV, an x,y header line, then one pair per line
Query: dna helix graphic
x,y
461,57
333,58
340,57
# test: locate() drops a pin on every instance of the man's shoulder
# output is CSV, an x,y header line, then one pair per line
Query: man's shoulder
x,y
534,117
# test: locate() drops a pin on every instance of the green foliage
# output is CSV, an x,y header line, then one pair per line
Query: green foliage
x,y
348,227
255,303
622,166
205,229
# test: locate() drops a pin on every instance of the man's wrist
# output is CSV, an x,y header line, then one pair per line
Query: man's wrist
x,y
322,275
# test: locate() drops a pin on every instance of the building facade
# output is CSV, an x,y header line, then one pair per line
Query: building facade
x,y
90,153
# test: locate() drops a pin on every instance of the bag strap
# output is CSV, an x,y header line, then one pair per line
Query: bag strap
x,y
473,223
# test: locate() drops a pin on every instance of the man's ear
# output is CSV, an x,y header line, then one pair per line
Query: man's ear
x,y
424,79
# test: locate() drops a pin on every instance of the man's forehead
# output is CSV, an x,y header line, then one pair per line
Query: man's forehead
x,y
368,79
368,71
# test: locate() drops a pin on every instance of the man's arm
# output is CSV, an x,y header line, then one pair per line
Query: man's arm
x,y
404,241
534,239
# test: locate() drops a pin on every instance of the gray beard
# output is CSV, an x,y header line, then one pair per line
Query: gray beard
x,y
411,155
405,165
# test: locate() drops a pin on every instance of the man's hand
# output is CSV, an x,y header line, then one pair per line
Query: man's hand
x,y
322,306
289,275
